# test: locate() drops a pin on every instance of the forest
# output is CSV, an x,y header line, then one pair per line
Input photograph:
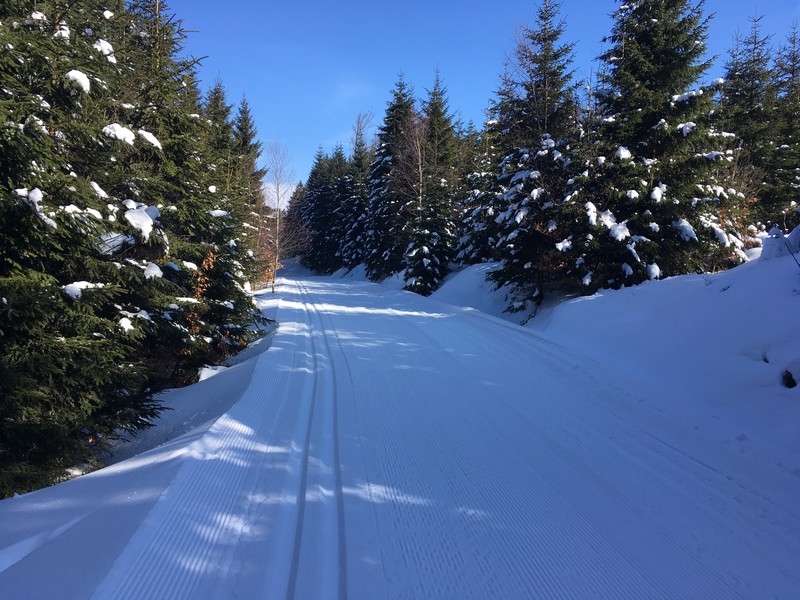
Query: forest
x,y
647,171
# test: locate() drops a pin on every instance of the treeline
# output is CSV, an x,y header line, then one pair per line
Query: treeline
x,y
641,173
130,225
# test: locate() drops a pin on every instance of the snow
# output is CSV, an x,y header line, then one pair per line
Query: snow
x,y
686,128
591,212
149,137
776,244
106,49
140,219
108,14
125,324
62,32
217,213
632,444
658,192
564,245
619,231
114,241
35,197
75,290
98,190
653,271
685,230
152,271
687,96
80,78
623,153
117,131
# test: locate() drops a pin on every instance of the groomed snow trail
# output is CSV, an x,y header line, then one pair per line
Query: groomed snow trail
x,y
390,446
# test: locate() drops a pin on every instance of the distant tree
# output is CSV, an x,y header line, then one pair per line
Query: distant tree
x,y
356,201
279,178
295,235
248,185
747,107
321,214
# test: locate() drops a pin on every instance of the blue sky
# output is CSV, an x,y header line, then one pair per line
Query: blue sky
x,y
308,68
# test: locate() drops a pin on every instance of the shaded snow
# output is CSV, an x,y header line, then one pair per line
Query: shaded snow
x,y
150,138
75,290
140,219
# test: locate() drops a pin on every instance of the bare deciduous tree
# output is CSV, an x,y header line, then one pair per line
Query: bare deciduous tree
x,y
412,163
279,187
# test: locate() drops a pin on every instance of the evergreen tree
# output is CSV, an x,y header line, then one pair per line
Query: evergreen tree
x,y
648,203
219,142
387,234
778,204
534,174
295,234
432,240
357,197
321,214
747,107
70,376
111,219
477,219
248,150
249,178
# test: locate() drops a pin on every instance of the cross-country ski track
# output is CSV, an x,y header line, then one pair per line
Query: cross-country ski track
x,y
391,446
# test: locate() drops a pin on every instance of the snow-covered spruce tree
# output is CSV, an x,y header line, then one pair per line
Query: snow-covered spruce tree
x,y
647,204
779,201
356,203
248,176
209,313
70,372
430,152
747,109
534,172
295,235
386,230
320,212
477,225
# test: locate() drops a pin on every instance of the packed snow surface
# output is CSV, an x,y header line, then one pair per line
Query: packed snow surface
x,y
633,444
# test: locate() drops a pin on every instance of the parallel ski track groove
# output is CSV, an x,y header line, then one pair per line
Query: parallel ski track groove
x,y
341,584
151,573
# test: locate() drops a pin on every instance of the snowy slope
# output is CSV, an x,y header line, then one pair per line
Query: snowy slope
x,y
392,446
